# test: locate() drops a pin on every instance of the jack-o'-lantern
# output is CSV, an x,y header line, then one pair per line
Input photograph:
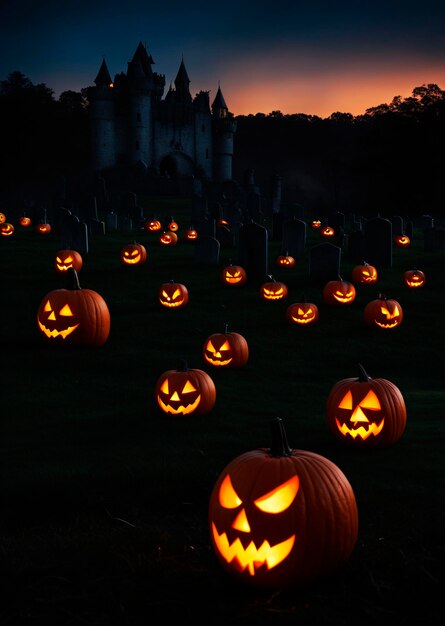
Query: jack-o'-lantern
x,y
25,221
172,225
222,222
233,275
302,313
74,317
327,231
339,292
168,238
66,259
273,290
133,254
6,229
364,274
153,225
366,412
173,295
280,517
226,349
316,224
43,228
285,260
402,241
2,218
414,278
191,234
383,313
185,391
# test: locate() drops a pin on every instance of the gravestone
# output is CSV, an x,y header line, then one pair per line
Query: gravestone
x,y
434,239
129,203
397,225
337,221
253,207
409,229
276,194
95,225
207,250
426,221
324,263
73,232
225,237
124,224
293,239
277,226
207,227
253,251
111,222
356,246
199,208
378,242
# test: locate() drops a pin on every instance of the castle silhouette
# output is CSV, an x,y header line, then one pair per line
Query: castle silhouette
x,y
174,136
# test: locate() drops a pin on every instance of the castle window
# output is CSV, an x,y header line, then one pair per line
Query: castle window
x,y
203,128
138,116
137,145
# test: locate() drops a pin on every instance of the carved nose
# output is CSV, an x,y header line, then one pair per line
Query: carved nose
x,y
241,523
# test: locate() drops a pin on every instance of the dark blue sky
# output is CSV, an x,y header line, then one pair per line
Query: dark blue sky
x,y
300,56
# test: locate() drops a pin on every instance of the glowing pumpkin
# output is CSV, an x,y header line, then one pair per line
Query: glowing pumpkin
x,y
2,218
273,290
302,313
222,222
153,225
25,221
172,225
234,275
285,260
74,317
43,228
168,238
327,231
226,349
364,274
6,229
414,278
316,224
173,295
339,292
66,259
190,234
383,313
133,254
402,241
280,517
185,391
365,412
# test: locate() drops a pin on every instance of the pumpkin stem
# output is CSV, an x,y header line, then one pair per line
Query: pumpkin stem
x,y
382,296
76,284
363,377
226,326
280,445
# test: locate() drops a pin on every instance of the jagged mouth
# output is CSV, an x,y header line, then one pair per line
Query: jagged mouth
x,y
180,409
57,333
215,362
64,268
299,320
172,304
362,431
133,261
388,325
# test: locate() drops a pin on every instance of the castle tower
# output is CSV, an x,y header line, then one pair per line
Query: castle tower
x,y
224,127
102,120
182,85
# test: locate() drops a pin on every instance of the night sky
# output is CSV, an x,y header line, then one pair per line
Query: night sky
x,y
310,56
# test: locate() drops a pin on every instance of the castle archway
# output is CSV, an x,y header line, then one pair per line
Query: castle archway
x,y
177,164
168,166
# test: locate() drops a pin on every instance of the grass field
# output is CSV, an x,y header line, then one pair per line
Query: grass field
x,y
104,497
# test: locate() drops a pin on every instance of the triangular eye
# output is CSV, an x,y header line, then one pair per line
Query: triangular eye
x,y
164,386
68,259
300,311
309,311
370,401
176,294
396,312
280,498
210,347
66,311
188,387
58,259
47,307
228,498
385,311
346,403
349,294
225,346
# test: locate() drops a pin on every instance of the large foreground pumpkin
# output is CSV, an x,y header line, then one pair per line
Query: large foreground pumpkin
x,y
280,517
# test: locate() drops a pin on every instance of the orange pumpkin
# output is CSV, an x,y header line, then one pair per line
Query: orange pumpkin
x,y
280,517
327,231
402,241
285,260
302,313
153,225
185,391
273,290
168,238
191,234
2,218
173,295
233,275
316,224
414,278
6,229
364,274
383,313
43,228
133,254
225,349
25,221
339,292
66,259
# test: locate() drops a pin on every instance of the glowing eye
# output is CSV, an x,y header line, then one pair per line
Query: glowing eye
x,y
280,498
279,291
176,294
267,292
134,253
68,259
346,403
211,347
236,274
58,259
228,498
47,307
396,311
225,346
309,311
349,294
66,311
300,311
165,294
385,311
339,293
126,253
371,402
164,386
188,387
365,273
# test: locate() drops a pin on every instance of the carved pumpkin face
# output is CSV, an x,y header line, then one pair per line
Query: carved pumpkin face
x,y
2,218
402,241
316,224
25,221
153,225
133,254
364,274
285,260
226,350
182,392
74,317
173,226
43,229
173,295
273,290
168,238
339,292
191,234
66,259
414,278
327,231
6,229
302,313
234,275
383,313
261,509
366,412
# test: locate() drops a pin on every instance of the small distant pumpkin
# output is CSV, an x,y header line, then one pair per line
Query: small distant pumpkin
x,y
402,241
414,278
383,312
364,274
191,234
234,275
173,295
302,313
273,290
327,231
285,260
172,225
315,224
339,292
185,391
2,218
226,349
43,228
153,225
66,259
168,238
133,254
25,221
6,229
222,222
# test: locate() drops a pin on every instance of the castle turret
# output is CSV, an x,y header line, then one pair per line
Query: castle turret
x,y
182,85
102,120
224,127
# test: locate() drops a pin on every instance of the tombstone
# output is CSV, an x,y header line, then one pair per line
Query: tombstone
x,y
199,208
73,233
129,203
111,222
409,229
249,178
296,210
207,250
337,221
293,240
378,242
225,237
426,221
125,224
206,227
397,225
95,225
324,263
277,226
233,215
253,207
275,204
356,246
253,251
434,239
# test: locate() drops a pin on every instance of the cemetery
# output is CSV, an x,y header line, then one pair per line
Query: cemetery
x,y
160,352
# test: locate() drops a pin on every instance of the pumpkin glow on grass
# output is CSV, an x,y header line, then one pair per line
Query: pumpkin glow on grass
x,y
365,412
185,391
280,517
